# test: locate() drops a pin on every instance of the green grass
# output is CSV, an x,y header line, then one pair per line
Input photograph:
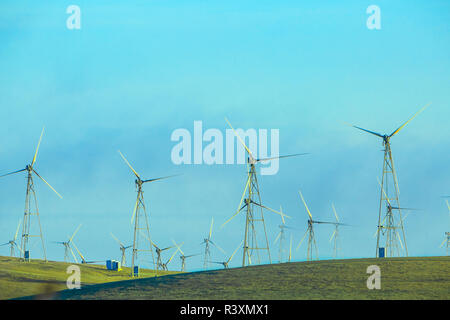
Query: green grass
x,y
401,278
19,278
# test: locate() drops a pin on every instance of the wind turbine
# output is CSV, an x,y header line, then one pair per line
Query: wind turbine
x,y
67,246
389,227
389,177
183,257
280,236
225,263
139,213
164,266
30,199
122,250
253,206
335,234
159,262
13,243
310,232
447,234
208,241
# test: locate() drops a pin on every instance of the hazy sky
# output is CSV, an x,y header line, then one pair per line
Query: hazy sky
x,y
137,71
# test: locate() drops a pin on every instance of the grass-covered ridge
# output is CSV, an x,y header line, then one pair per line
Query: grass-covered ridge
x,y
19,279
401,278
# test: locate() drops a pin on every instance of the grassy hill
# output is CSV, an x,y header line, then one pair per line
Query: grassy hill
x,y
401,278
19,279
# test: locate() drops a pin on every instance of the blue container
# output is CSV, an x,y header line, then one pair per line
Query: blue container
x,y
380,252
27,255
136,271
109,264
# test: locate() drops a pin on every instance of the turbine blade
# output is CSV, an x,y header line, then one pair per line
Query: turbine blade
x,y
17,230
115,238
303,238
215,245
398,236
178,246
263,206
134,210
73,255
333,235
126,161
278,237
368,131
282,216
385,195
156,179
448,205
73,235
12,173
442,243
78,251
280,157
309,213
242,142
210,228
35,154
417,113
240,203
47,183
335,213
229,260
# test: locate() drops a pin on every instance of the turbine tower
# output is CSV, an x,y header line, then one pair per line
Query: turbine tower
x,y
31,208
447,234
207,241
67,246
13,242
183,257
122,250
310,232
225,263
281,236
141,225
389,182
254,208
335,234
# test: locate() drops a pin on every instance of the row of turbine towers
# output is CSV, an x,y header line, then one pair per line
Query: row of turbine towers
x,y
391,239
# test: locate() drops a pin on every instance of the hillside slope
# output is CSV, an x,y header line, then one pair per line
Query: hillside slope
x,y
19,279
401,278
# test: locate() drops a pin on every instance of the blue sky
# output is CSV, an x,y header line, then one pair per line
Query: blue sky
x,y
135,72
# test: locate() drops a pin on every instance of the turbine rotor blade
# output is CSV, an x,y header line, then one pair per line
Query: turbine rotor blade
x,y
47,183
229,260
115,238
35,154
417,113
242,142
368,131
240,203
335,213
156,179
12,173
73,235
280,157
210,228
303,238
126,161
309,213
17,230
